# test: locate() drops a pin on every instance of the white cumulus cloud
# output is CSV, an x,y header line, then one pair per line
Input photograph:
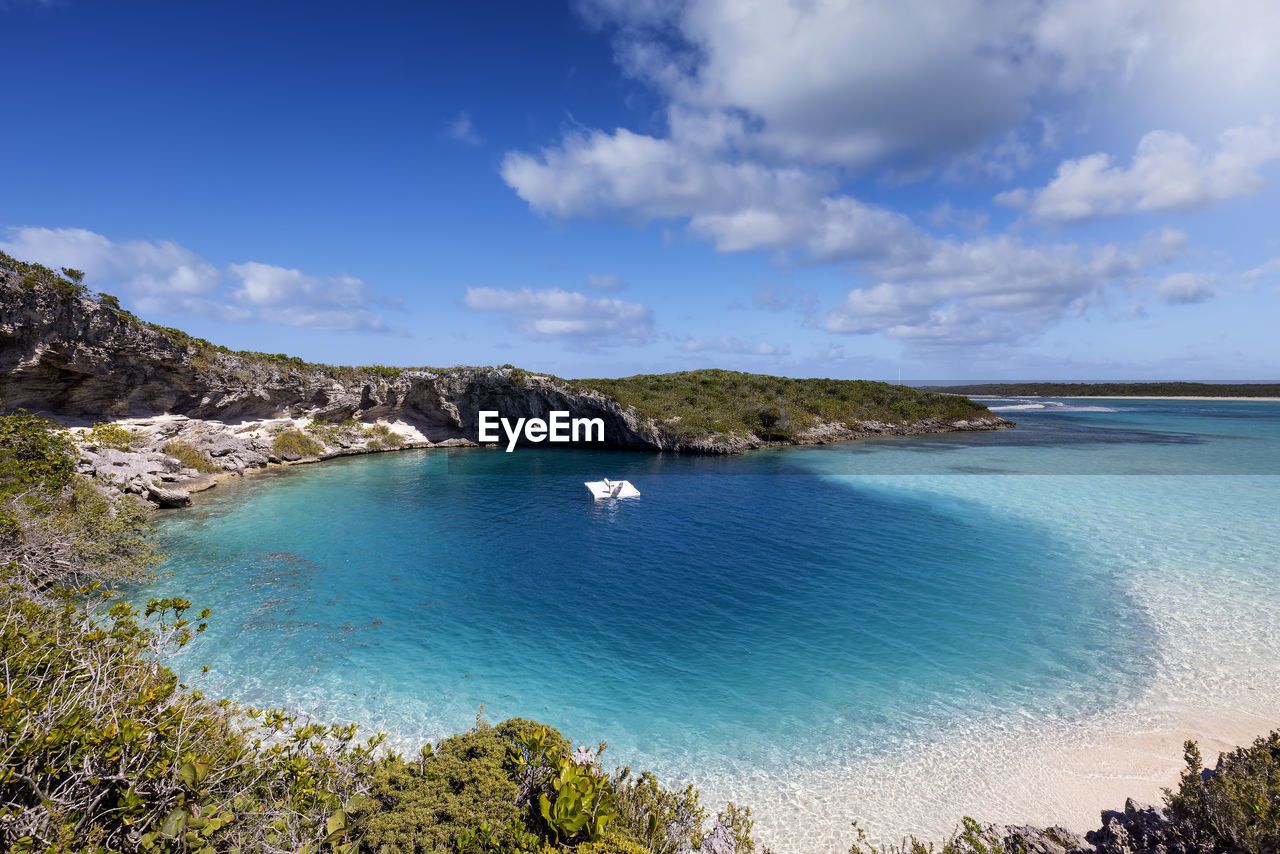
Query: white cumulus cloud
x,y
288,296
1168,173
991,290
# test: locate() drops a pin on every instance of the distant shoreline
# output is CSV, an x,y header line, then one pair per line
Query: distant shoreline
x,y
1114,397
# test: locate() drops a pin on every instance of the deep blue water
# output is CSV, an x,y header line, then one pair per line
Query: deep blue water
x,y
767,613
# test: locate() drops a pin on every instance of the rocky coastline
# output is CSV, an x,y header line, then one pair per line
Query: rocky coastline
x,y
80,360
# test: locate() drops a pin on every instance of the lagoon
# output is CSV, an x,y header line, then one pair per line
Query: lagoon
x,y
1014,625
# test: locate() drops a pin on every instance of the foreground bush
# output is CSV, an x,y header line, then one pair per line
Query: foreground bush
x,y
56,525
1236,807
463,794
103,749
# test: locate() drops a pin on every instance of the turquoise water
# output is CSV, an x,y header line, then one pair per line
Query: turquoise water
x,y
783,616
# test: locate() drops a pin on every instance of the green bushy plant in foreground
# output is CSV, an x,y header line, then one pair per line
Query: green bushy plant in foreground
x,y
1236,808
190,456
59,526
668,820
463,793
35,454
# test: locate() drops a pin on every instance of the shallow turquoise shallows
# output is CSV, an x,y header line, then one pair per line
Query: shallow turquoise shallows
x,y
766,613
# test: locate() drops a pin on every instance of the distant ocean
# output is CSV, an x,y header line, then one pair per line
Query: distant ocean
x,y
896,630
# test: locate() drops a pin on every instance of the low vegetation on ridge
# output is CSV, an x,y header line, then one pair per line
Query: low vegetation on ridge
x,y
774,408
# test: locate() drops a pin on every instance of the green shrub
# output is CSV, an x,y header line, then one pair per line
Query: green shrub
x,y
190,456
740,824
124,758
34,453
713,402
105,435
385,371
1236,808
612,843
37,276
664,820
56,525
293,444
383,438
328,433
464,795
969,838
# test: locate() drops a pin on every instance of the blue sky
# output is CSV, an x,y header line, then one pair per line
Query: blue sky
x,y
953,189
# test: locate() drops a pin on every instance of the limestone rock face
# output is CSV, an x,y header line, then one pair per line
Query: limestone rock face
x,y
74,358
718,841
1138,830
1035,840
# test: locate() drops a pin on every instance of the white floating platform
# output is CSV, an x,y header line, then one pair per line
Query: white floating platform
x,y
601,489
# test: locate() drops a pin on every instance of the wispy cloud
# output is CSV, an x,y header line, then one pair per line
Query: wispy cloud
x,y
463,130
1267,268
781,297
606,282
730,345
554,313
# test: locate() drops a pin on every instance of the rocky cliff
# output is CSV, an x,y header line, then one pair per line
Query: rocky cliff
x,y
69,355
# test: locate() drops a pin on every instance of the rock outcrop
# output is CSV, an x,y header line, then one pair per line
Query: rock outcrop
x,y
1134,830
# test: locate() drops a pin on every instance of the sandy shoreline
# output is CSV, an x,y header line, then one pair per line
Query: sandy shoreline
x,y
1067,779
